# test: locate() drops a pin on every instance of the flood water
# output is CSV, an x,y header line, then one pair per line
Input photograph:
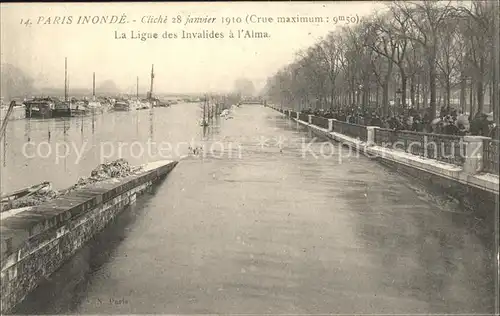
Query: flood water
x,y
263,225
42,150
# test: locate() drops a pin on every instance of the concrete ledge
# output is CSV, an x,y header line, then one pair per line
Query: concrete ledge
x,y
38,240
486,182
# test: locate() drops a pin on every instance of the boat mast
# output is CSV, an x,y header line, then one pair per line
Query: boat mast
x,y
151,88
65,78
210,102
204,104
67,91
93,100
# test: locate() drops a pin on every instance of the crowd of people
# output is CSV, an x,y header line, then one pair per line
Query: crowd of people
x,y
449,121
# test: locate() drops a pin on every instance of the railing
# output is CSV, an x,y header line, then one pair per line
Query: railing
x,y
349,129
383,135
490,155
319,121
446,148
304,117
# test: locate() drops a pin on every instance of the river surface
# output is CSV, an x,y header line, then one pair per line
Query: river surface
x,y
42,150
261,222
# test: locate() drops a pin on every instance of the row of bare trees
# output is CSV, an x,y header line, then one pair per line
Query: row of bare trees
x,y
414,54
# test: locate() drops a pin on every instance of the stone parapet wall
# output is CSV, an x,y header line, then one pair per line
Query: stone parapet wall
x,y
470,174
37,242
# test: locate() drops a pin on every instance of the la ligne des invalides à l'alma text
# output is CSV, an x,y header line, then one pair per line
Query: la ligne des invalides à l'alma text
x,y
205,34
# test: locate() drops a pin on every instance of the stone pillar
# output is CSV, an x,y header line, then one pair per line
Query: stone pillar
x,y
310,119
333,126
370,135
473,163
330,125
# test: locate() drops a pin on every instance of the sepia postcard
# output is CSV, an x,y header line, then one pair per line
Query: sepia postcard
x,y
250,158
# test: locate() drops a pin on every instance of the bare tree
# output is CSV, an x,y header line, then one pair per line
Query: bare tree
x,y
388,42
330,52
449,56
424,21
429,42
479,34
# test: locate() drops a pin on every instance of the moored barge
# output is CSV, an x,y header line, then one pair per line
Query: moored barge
x,y
40,107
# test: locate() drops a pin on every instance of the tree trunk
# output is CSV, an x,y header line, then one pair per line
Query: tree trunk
x,y
385,98
432,87
412,91
425,95
471,97
353,92
404,81
385,92
417,97
448,92
378,97
366,97
462,92
419,87
490,107
480,86
480,96
333,96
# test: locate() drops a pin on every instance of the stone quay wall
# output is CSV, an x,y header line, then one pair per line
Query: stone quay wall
x,y
36,242
466,182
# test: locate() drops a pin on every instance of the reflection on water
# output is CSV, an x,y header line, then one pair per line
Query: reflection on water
x,y
275,231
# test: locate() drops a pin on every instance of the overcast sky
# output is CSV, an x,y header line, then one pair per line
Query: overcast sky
x,y
181,65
